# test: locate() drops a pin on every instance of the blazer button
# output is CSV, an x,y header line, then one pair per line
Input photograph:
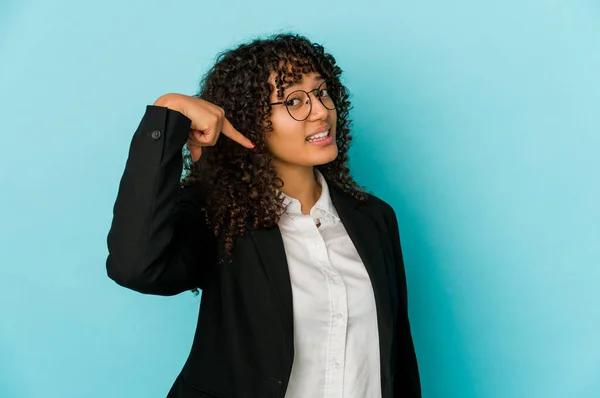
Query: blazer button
x,y
155,134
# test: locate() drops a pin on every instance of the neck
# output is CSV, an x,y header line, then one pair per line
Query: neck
x,y
301,184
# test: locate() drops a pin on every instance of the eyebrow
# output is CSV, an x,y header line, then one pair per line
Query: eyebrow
x,y
317,78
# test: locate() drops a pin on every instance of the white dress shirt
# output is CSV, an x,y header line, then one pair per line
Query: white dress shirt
x,y
336,339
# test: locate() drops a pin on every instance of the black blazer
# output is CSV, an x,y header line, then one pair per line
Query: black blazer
x,y
244,346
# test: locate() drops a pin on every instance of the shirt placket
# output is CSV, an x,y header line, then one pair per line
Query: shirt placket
x,y
338,317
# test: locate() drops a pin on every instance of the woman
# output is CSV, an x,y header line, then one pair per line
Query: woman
x,y
301,272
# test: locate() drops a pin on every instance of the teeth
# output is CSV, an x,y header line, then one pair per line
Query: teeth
x,y
318,136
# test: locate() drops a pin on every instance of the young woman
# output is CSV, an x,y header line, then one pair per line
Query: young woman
x,y
301,271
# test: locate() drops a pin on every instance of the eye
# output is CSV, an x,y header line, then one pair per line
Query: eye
x,y
323,93
293,102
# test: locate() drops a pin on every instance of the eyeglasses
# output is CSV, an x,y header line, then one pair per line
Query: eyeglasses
x,y
299,104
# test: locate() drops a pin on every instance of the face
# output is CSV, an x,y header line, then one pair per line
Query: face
x,y
306,143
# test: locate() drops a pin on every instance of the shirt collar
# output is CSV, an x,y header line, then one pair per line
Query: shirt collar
x,y
293,207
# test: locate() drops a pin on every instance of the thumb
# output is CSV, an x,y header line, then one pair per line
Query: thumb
x,y
195,150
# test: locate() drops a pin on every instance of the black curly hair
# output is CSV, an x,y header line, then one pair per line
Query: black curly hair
x,y
242,189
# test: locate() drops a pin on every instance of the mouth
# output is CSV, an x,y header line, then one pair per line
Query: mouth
x,y
319,135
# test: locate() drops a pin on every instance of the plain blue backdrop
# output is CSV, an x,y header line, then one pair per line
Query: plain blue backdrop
x,y
477,120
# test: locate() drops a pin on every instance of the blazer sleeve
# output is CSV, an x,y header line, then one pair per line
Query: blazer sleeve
x,y
407,381
158,241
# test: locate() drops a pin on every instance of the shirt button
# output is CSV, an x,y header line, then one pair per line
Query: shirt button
x,y
337,365
339,315
155,134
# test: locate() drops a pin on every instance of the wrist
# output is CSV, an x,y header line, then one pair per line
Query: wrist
x,y
169,101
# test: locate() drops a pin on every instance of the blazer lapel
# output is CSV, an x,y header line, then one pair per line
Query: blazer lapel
x,y
367,240
272,252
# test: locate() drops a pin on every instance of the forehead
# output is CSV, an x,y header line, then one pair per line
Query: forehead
x,y
305,80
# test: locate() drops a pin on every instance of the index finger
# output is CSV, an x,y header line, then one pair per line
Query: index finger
x,y
235,135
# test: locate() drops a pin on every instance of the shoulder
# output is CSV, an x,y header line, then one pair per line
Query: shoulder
x,y
371,205
378,205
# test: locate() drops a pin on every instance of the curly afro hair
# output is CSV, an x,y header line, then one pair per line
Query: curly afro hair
x,y
242,190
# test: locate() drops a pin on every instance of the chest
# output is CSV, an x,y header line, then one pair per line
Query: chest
x,y
327,275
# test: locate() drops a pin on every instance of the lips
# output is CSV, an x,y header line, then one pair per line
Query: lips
x,y
318,137
320,133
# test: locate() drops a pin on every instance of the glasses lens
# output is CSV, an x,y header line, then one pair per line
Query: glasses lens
x,y
325,98
298,105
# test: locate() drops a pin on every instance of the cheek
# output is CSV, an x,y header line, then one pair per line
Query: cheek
x,y
286,133
332,117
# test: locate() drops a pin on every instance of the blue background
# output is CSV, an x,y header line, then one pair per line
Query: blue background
x,y
477,120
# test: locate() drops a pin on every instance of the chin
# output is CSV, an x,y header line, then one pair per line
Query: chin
x,y
328,155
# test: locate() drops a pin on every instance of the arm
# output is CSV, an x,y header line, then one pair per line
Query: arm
x,y
406,377
158,241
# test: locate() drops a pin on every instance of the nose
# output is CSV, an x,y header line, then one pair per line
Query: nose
x,y
319,111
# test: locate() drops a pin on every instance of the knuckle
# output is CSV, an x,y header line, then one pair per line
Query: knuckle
x,y
210,139
220,112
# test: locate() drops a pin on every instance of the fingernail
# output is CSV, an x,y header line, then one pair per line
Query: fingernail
x,y
253,144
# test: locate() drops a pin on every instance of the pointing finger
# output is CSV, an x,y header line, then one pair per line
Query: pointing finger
x,y
235,135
